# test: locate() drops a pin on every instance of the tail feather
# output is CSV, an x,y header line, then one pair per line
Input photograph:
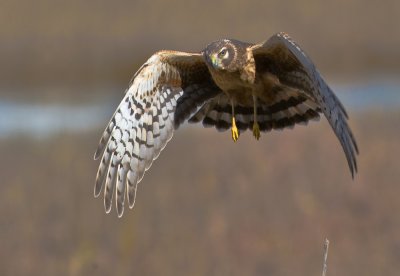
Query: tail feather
x,y
287,110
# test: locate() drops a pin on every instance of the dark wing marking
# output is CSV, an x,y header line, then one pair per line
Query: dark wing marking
x,y
287,108
163,93
281,56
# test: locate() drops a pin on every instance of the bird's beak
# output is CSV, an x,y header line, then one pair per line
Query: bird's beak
x,y
214,61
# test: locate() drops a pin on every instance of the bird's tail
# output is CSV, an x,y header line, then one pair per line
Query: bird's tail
x,y
287,109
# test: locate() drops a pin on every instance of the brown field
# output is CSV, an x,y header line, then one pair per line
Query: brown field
x,y
208,206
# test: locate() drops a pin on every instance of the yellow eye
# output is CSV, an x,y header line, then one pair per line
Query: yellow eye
x,y
223,53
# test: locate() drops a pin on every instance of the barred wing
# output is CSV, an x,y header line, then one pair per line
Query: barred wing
x,y
281,56
163,93
287,108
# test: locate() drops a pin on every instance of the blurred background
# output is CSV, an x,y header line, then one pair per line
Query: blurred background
x,y
207,206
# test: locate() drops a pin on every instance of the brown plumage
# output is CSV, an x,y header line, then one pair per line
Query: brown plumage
x,y
230,85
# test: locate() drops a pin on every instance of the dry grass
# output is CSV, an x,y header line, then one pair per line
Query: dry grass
x,y
208,206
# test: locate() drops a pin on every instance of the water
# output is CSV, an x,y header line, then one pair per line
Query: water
x,y
374,95
42,121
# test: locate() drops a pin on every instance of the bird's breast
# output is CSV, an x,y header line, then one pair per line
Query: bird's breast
x,y
230,81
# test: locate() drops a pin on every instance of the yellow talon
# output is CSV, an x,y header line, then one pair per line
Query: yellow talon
x,y
235,131
256,130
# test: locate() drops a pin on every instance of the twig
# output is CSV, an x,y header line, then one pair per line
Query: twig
x,y
326,248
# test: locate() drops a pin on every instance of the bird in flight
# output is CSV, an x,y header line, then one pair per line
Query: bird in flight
x,y
229,85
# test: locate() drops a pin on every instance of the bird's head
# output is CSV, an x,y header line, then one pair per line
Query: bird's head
x,y
224,54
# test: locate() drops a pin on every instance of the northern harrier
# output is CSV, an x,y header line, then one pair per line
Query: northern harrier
x,y
230,85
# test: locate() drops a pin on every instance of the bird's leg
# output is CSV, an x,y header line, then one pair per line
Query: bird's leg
x,y
256,127
235,131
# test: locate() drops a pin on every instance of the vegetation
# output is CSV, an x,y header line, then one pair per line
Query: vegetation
x,y
208,206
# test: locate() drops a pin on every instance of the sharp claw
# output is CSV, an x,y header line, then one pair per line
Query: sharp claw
x,y
235,131
256,130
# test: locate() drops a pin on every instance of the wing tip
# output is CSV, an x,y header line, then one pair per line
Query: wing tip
x,y
107,209
120,210
99,151
131,199
96,155
107,203
97,187
354,171
97,192
353,163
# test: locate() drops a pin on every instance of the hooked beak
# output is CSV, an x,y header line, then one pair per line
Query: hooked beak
x,y
214,61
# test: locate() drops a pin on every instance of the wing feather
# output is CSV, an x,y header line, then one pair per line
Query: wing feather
x,y
120,188
282,56
109,187
145,120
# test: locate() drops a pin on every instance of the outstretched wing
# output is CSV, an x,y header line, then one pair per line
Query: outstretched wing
x,y
162,94
281,56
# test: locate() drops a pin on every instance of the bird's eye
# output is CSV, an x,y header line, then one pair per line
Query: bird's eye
x,y
223,53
